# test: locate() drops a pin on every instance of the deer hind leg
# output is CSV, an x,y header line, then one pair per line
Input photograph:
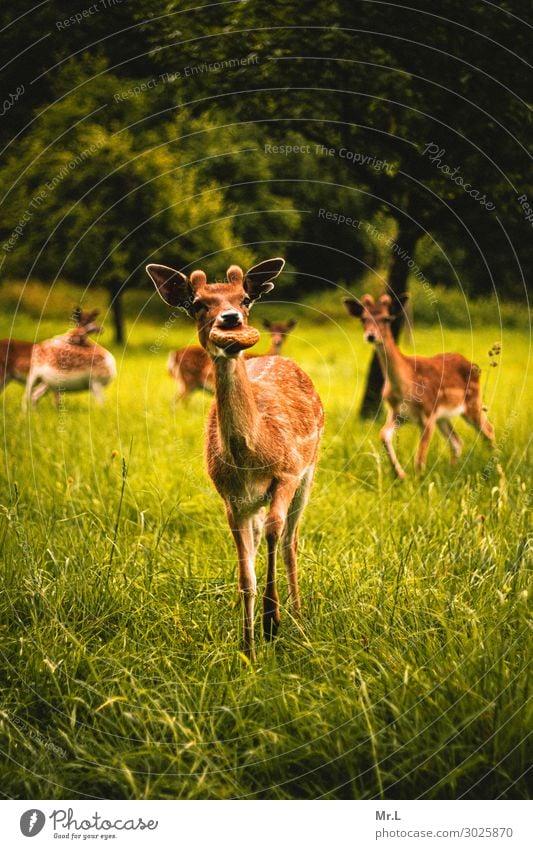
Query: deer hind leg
x,y
35,389
258,522
454,440
38,393
26,398
282,496
386,435
428,428
97,390
242,531
289,540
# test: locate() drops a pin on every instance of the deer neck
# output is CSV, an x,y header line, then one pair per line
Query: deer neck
x,y
392,361
237,413
274,350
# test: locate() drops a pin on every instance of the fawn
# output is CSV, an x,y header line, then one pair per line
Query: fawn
x,y
70,362
192,369
263,431
425,390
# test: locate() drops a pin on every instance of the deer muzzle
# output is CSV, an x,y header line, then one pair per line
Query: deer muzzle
x,y
235,339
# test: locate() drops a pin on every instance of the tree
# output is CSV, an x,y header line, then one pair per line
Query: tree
x,y
391,83
376,90
95,201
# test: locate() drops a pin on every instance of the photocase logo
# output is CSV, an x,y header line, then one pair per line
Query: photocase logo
x,y
32,822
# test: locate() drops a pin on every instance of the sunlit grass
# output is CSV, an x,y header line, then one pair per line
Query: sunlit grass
x,y
121,670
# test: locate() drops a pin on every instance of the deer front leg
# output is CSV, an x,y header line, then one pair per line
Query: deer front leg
x,y
243,535
427,432
476,417
282,495
387,434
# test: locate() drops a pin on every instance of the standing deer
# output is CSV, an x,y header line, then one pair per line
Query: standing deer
x,y
263,431
425,390
15,356
192,369
70,362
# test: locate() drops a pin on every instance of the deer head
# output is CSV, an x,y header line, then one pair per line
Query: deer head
x,y
86,320
278,331
224,306
376,316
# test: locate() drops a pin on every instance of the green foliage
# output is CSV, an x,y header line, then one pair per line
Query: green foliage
x,y
102,199
406,677
179,164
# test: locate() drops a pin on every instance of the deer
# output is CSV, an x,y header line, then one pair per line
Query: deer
x,y
428,391
15,355
70,362
263,432
192,369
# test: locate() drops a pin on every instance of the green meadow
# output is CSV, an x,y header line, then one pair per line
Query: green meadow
x,y
120,623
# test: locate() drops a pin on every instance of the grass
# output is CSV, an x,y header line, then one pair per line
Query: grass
x,y
121,675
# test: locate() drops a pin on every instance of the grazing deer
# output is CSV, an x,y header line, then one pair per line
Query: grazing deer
x,y
192,369
15,356
425,390
70,362
263,432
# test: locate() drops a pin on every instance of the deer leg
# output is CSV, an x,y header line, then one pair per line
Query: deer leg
x,y
98,392
476,417
258,522
38,393
454,440
289,542
26,398
283,494
181,391
35,389
243,536
427,432
386,435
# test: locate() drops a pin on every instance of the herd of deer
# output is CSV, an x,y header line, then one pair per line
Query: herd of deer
x,y
266,421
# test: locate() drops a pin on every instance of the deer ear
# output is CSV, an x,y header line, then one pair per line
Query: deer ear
x,y
257,279
172,285
354,307
397,303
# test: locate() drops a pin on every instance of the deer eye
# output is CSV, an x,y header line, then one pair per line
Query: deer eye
x,y
246,302
198,305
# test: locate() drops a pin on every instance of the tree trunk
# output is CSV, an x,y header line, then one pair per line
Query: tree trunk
x,y
408,235
118,314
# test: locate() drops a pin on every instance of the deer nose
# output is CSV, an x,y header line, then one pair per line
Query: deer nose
x,y
229,318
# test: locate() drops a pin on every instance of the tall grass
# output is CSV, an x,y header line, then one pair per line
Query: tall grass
x,y
121,674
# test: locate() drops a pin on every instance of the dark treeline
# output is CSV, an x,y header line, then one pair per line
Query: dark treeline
x,y
348,135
